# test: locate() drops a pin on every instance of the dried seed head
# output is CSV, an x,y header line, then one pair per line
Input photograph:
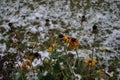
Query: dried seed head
x,y
61,36
94,27
10,24
47,20
73,39
36,54
83,16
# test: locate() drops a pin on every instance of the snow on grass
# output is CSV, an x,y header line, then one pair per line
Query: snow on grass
x,y
111,40
67,16
2,47
44,54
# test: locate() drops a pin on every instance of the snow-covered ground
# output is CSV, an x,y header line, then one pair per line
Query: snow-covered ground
x,y
63,15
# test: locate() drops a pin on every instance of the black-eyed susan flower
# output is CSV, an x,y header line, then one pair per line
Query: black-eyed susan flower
x,y
61,36
64,37
29,56
32,56
52,46
73,43
25,65
67,39
90,62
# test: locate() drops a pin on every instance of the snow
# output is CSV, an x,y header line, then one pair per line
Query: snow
x,y
37,62
107,18
33,30
44,54
111,40
40,29
45,73
78,77
2,47
12,50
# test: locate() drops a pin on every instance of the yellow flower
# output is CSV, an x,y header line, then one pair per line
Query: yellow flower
x,y
66,38
100,73
46,61
52,46
90,62
25,65
29,56
73,43
54,43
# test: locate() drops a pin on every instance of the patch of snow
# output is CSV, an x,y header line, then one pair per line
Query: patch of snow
x,y
1,55
111,40
40,29
77,76
2,47
33,30
37,62
44,54
45,73
12,50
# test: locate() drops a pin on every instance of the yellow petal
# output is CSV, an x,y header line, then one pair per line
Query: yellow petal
x,y
50,48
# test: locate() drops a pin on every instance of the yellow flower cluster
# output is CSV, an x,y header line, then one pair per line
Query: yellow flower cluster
x,y
32,56
90,62
72,42
29,56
